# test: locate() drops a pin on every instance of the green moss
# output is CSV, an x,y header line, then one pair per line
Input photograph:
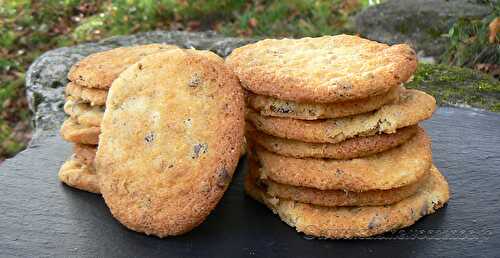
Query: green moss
x,y
456,85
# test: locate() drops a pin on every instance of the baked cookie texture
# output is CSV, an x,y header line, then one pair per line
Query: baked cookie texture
x,y
413,106
397,167
351,222
332,197
79,175
170,142
99,70
348,149
72,131
322,70
269,106
83,113
85,154
92,96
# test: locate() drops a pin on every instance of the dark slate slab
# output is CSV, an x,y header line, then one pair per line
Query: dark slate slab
x,y
41,217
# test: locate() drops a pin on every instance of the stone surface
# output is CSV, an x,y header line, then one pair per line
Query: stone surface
x,y
41,217
457,86
46,77
420,23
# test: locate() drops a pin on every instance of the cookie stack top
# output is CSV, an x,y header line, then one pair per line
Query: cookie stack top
x,y
322,70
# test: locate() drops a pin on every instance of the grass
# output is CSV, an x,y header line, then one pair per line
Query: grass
x,y
29,28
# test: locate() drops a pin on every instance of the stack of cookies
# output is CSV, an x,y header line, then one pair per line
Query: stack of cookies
x,y
335,148
86,93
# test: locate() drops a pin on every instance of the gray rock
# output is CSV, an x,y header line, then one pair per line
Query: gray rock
x,y
421,23
46,77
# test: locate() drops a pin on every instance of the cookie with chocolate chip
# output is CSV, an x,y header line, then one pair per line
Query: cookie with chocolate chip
x,y
351,222
413,106
322,70
171,139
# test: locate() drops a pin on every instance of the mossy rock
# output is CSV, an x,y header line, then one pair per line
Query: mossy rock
x,y
458,86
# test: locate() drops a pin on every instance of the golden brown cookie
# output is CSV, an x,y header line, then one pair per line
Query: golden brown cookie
x,y
269,106
171,139
325,69
99,70
333,197
352,148
350,222
394,168
95,97
78,175
85,153
71,131
413,107
83,113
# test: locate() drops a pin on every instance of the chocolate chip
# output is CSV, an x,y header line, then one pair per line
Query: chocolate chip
x,y
139,65
195,80
199,148
223,177
282,109
150,137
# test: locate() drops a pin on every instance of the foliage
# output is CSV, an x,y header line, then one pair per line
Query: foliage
x,y
469,43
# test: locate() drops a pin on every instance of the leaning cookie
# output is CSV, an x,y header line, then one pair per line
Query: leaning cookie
x,y
332,197
99,70
397,167
351,222
322,70
352,148
79,175
269,106
171,139
412,107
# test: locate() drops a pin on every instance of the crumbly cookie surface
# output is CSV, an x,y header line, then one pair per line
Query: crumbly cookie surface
x,y
333,197
85,154
99,70
397,167
72,131
83,113
412,107
79,175
352,148
323,69
269,106
92,96
171,139
350,222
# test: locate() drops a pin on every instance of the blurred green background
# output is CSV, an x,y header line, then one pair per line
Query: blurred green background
x,y
28,28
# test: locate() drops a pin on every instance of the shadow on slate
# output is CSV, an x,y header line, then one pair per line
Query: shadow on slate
x,y
39,216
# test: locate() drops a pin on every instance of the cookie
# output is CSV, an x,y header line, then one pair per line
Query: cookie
x,y
171,139
333,197
352,148
269,106
95,97
413,107
394,168
324,69
83,113
85,154
99,70
72,131
350,222
78,175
